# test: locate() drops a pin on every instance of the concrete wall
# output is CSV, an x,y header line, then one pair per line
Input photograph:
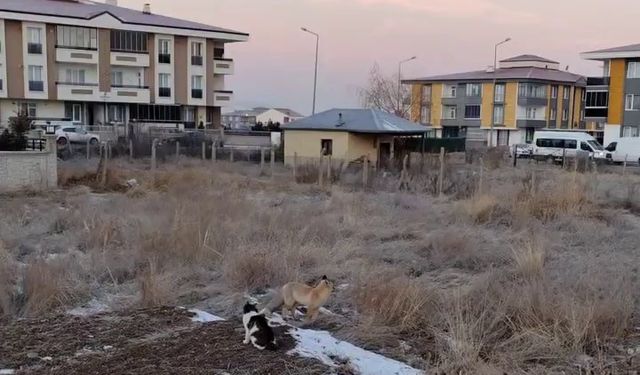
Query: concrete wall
x,y
347,147
29,170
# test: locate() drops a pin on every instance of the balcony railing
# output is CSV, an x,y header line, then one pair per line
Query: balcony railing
x,y
196,60
77,47
115,86
164,58
598,81
69,83
1,85
196,93
596,112
34,48
36,86
164,92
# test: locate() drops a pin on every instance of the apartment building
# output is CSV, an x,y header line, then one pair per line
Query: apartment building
x,y
247,118
529,93
613,101
97,63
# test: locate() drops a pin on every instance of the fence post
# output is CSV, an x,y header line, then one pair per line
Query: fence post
x,y
320,169
261,160
204,150
177,149
105,164
624,166
564,157
295,167
154,145
329,169
515,156
365,172
88,149
130,150
272,162
480,183
231,156
214,152
404,177
441,174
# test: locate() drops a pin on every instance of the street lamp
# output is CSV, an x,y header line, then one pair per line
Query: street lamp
x,y
315,76
495,69
400,82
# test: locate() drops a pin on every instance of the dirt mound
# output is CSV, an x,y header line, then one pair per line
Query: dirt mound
x,y
148,341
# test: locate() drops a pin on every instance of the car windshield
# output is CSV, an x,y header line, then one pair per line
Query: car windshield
x,y
612,146
595,145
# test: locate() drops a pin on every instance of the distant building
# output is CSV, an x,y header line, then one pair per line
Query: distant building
x,y
263,115
530,93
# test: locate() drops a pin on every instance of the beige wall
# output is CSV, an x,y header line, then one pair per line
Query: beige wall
x,y
209,64
104,60
52,68
15,76
307,145
510,104
150,72
181,76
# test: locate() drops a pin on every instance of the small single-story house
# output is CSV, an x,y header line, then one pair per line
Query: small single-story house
x,y
348,135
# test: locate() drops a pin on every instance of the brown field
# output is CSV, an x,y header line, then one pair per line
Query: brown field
x,y
537,272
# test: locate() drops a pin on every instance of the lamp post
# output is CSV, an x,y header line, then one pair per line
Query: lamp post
x,y
315,76
495,69
399,107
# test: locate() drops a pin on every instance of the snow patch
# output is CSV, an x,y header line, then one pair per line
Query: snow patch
x,y
7,371
92,308
204,317
322,346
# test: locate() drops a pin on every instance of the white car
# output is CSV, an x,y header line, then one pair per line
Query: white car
x,y
75,134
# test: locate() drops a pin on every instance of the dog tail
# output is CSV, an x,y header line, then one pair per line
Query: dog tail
x,y
276,301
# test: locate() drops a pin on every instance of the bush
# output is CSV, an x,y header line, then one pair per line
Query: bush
x,y
14,138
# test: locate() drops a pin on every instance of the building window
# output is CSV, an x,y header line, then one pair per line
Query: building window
x,y
553,113
30,109
597,99
426,93
472,112
531,113
189,114
503,137
154,113
473,89
129,41
565,114
326,146
34,45
76,37
425,114
498,115
164,88
35,78
532,90
196,87
632,102
75,76
164,51
528,137
629,131
633,69
566,92
115,113
450,112
450,91
554,92
196,53
116,78
499,93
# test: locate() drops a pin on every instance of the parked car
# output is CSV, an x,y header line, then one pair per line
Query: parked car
x,y
521,150
556,144
75,134
627,148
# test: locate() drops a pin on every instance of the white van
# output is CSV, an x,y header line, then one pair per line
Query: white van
x,y
627,147
555,144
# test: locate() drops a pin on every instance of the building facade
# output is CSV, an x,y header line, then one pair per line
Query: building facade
x,y
613,103
99,64
248,118
525,93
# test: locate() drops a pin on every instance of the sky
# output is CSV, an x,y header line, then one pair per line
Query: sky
x,y
275,67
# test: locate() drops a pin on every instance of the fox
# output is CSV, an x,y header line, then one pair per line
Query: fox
x,y
294,293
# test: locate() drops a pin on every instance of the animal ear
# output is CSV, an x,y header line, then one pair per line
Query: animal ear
x,y
324,277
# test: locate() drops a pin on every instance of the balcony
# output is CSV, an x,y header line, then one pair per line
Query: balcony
x,y
596,112
598,81
223,66
136,59
222,98
196,60
130,94
76,55
34,48
164,92
78,91
196,93
164,58
37,86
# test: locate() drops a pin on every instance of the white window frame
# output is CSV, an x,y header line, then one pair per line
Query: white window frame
x,y
632,102
196,82
167,78
35,73
449,91
425,114
498,120
196,49
530,113
117,77
447,110
164,46
565,114
499,94
76,76
473,118
473,89
633,69
553,114
565,92
554,92
35,35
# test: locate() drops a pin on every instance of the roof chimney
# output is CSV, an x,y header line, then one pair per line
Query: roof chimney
x,y
146,9
111,2
340,122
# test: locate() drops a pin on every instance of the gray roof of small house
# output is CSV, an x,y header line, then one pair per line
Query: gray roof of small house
x,y
520,73
529,58
87,10
627,48
369,121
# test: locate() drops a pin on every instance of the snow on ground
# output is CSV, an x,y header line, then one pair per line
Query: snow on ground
x,y
204,317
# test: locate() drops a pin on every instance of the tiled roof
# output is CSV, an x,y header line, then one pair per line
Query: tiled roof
x,y
371,121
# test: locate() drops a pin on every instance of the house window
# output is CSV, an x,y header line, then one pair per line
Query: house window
x,y
189,114
473,89
196,87
554,92
164,51
450,112
34,45
29,108
326,146
35,78
553,113
116,113
531,113
154,113
632,102
450,91
164,88
633,69
76,112
597,99
498,115
499,93
528,137
129,41
196,53
426,94
566,92
472,112
532,90
76,37
565,114
116,78
425,114
75,76
629,131
503,137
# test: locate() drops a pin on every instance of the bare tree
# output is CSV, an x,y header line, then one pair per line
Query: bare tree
x,y
382,93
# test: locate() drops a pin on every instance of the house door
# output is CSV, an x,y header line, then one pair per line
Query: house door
x,y
384,154
76,113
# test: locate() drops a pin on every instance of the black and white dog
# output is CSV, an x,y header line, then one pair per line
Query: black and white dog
x,y
257,329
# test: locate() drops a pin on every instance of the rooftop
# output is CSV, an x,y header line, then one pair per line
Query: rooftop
x,y
518,73
529,58
260,110
631,50
87,10
366,121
